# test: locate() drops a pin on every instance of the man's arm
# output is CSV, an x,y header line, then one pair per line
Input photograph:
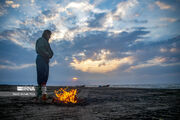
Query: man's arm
x,y
50,51
41,49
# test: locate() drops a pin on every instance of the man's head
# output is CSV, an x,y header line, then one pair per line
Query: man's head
x,y
46,34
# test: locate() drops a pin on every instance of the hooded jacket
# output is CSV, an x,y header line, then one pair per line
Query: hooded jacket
x,y
43,49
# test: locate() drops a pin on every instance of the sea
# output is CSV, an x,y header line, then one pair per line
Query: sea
x,y
149,86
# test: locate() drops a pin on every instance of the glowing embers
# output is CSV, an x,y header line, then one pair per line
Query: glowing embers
x,y
63,95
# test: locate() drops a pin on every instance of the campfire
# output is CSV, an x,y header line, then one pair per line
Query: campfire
x,y
63,95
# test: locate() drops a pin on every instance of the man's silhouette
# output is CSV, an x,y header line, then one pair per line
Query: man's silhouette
x,y
44,53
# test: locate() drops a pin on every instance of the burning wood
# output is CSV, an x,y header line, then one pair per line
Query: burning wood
x,y
65,96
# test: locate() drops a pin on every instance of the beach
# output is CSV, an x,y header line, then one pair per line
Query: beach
x,y
99,103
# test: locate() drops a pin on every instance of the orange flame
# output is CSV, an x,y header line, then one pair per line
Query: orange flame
x,y
65,96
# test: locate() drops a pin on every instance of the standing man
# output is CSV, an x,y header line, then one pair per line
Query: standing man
x,y
44,53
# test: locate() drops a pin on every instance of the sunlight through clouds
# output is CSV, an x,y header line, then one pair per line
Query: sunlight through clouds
x,y
101,64
69,20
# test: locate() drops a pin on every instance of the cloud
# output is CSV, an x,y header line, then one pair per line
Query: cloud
x,y
162,5
19,37
157,61
101,64
12,66
84,6
32,1
66,20
6,64
15,5
123,7
102,40
88,49
9,2
163,50
97,20
168,19
12,4
75,21
172,50
149,63
140,21
119,13
166,48
77,18
53,63
97,2
151,6
3,11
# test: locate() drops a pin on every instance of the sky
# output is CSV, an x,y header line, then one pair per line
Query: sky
x,y
95,42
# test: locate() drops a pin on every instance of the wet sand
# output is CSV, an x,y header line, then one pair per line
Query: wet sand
x,y
102,103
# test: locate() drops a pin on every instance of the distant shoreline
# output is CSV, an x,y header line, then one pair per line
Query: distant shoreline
x,y
128,86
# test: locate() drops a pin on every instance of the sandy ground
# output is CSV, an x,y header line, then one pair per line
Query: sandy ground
x,y
100,104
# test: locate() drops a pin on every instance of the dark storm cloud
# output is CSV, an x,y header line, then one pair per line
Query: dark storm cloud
x,y
148,50
149,55
123,43
96,41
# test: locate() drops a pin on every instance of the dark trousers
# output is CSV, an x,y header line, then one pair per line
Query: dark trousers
x,y
42,68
